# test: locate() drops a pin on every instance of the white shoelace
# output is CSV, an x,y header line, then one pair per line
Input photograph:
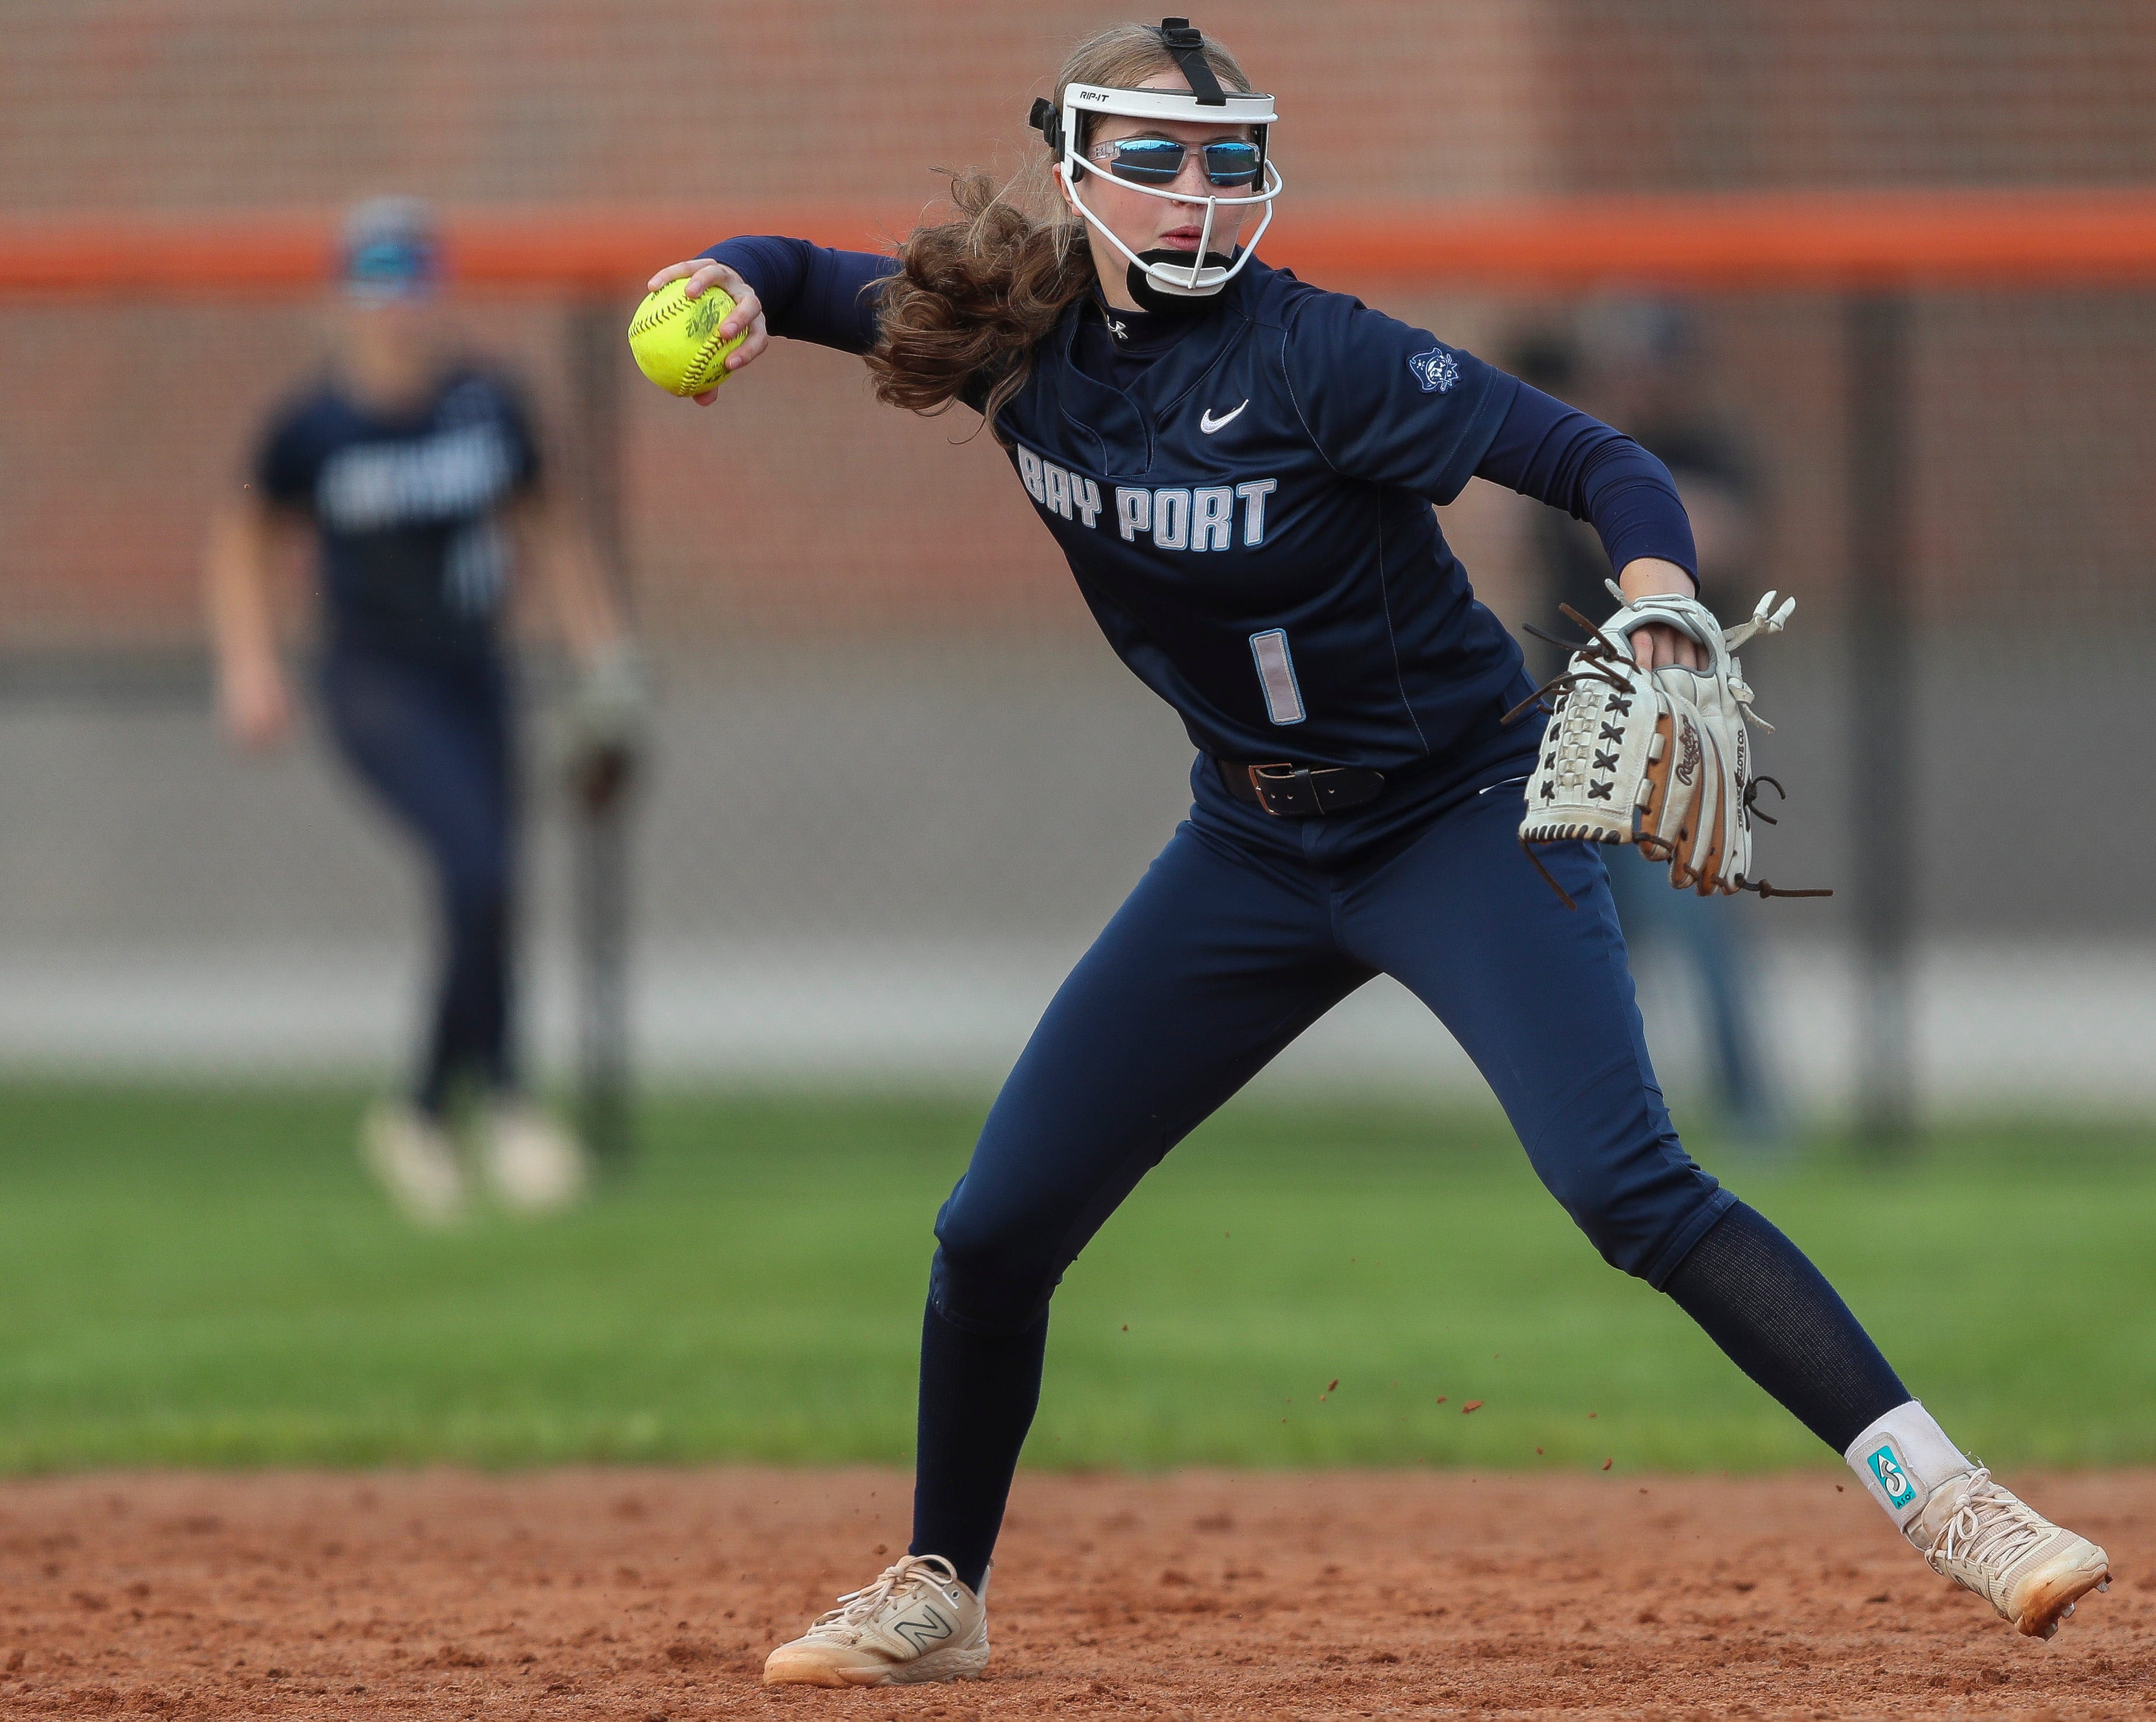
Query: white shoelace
x,y
856,1608
1990,1527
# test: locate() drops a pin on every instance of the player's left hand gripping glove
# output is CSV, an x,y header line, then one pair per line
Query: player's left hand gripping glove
x,y
1658,758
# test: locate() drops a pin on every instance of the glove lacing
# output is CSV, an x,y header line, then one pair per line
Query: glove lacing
x,y
1601,653
847,1622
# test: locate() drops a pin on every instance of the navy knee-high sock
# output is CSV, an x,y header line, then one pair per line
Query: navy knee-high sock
x,y
978,1392
470,1036
1759,1297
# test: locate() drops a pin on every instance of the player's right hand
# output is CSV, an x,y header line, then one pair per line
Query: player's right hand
x,y
747,313
256,709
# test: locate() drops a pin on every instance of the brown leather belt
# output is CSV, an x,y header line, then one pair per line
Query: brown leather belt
x,y
1301,791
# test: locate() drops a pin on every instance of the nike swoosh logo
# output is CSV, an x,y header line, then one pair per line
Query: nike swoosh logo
x,y
1208,424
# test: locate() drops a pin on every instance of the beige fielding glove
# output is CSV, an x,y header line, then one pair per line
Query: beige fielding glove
x,y
606,726
1661,759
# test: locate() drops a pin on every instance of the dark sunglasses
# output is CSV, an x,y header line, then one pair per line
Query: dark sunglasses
x,y
1158,160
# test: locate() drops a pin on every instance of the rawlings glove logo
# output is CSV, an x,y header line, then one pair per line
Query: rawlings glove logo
x,y
1687,754
1437,370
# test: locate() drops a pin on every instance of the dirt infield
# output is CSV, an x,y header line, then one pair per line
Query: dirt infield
x,y
639,1594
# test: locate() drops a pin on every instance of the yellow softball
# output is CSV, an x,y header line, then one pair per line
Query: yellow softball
x,y
676,338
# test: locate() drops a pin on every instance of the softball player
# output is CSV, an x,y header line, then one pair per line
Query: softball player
x,y
1240,467
414,473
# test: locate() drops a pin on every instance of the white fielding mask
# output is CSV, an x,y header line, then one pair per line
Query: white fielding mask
x,y
1197,280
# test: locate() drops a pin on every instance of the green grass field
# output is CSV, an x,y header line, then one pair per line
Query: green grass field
x,y
199,1277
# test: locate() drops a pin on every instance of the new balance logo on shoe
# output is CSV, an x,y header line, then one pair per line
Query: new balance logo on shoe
x,y
917,1622
924,1631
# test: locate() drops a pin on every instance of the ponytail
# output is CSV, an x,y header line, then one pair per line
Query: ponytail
x,y
972,297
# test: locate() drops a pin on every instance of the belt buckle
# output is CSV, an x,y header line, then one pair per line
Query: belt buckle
x,y
1297,794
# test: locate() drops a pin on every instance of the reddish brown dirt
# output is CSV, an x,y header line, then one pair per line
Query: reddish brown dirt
x,y
644,1595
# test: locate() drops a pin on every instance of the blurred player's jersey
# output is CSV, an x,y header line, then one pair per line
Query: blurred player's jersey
x,y
1250,520
414,558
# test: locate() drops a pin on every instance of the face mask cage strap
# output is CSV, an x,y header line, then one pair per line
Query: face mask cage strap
x,y
1188,49
1045,119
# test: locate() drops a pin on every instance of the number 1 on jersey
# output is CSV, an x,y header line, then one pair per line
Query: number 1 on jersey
x,y
1276,676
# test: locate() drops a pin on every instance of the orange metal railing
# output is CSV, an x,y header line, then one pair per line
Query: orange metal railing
x,y
1935,238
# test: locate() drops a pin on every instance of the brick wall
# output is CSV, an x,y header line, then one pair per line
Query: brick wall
x,y
798,503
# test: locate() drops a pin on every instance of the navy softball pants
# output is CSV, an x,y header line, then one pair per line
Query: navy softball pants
x,y
432,742
1244,931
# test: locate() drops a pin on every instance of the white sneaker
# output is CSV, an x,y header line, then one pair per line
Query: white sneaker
x,y
534,1164
412,1158
917,1623
1987,1540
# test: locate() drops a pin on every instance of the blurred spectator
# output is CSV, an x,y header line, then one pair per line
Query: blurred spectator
x,y
417,474
1638,365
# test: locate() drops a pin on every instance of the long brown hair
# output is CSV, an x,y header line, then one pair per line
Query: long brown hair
x,y
976,294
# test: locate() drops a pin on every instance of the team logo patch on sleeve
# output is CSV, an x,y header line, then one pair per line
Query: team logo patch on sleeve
x,y
1437,370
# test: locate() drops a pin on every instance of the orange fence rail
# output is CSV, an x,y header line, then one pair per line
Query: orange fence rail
x,y
2049,237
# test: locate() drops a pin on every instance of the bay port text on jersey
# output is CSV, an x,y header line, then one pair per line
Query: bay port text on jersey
x,y
1177,517
373,486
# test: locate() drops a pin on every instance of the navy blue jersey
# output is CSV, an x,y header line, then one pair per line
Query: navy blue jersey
x,y
1250,523
414,557
1244,499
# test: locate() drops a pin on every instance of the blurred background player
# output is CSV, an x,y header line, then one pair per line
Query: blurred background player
x,y
1637,364
418,474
